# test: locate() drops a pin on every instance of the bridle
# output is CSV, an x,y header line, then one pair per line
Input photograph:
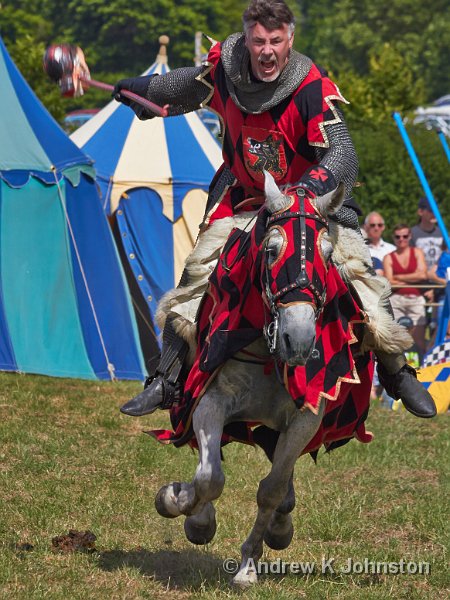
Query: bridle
x,y
302,281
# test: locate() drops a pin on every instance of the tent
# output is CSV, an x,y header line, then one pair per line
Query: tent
x,y
154,176
65,309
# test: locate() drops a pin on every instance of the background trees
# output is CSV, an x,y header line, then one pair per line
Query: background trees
x,y
386,55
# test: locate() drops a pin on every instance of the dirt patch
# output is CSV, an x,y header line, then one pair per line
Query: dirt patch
x,y
74,541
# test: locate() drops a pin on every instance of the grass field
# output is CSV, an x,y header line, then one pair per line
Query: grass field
x,y
70,460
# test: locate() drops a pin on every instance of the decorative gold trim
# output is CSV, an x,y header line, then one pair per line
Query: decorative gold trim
x,y
337,119
221,134
356,379
210,318
283,247
288,206
201,77
213,208
319,248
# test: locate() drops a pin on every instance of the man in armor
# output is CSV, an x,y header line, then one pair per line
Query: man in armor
x,y
279,113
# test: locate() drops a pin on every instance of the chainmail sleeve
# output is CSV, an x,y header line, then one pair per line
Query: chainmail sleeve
x,y
182,89
340,157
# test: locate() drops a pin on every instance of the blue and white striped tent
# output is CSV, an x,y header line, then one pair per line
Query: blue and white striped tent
x,y
65,309
154,177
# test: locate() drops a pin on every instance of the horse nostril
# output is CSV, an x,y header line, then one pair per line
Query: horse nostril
x,y
287,342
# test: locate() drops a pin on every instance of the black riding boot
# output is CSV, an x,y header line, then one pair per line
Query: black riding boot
x,y
401,383
164,388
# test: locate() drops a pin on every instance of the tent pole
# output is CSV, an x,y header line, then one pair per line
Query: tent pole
x,y
421,175
444,144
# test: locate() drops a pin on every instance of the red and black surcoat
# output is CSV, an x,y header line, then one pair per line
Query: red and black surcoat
x,y
281,140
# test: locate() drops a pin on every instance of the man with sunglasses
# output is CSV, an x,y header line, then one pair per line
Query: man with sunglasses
x,y
374,228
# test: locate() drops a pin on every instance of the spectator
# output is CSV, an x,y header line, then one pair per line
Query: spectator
x,y
407,265
374,228
439,273
443,265
426,235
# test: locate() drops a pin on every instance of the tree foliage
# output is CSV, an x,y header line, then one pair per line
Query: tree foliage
x,y
387,179
343,36
389,55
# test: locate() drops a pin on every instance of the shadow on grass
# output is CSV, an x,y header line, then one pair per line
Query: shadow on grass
x,y
185,569
193,569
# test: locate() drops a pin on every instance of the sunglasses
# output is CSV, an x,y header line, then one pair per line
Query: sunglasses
x,y
376,224
402,237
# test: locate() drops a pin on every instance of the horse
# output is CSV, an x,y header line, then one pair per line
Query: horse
x,y
291,290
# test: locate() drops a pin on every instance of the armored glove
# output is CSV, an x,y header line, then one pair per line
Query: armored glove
x,y
317,181
137,85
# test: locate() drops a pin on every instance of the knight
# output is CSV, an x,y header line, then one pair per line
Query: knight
x,y
279,113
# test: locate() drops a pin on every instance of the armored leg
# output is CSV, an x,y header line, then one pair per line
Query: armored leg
x,y
401,383
165,386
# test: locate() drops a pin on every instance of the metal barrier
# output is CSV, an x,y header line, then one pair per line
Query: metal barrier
x,y
444,320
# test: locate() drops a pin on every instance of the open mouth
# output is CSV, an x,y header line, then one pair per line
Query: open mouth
x,y
267,65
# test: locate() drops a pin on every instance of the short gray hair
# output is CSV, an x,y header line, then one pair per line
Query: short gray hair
x,y
271,14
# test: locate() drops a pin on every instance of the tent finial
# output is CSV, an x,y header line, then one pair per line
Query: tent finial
x,y
162,54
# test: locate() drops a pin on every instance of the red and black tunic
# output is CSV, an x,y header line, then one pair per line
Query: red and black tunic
x,y
280,140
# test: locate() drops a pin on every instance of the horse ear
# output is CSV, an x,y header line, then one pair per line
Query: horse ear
x,y
275,200
331,202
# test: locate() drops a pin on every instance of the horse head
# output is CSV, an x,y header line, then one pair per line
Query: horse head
x,y
296,254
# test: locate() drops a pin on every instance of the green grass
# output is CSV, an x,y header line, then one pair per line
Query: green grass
x,y
70,460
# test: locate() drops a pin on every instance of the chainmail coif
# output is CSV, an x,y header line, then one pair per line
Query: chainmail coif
x,y
252,96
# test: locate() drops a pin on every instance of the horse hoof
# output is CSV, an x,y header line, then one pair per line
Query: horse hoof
x,y
166,500
279,541
244,579
199,534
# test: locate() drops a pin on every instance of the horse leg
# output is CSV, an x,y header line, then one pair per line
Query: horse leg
x,y
280,530
273,489
195,499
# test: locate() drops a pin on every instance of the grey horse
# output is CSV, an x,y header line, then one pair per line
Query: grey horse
x,y
240,392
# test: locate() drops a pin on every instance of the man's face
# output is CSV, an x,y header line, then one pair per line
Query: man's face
x,y
426,216
269,50
374,227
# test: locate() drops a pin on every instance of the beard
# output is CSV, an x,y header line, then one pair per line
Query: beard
x,y
272,76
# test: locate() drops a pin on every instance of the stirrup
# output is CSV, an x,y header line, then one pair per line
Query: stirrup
x,y
171,391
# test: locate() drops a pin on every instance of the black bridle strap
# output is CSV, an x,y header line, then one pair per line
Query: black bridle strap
x,y
302,281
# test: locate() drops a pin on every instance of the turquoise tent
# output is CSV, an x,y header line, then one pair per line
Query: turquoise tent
x,y
64,304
